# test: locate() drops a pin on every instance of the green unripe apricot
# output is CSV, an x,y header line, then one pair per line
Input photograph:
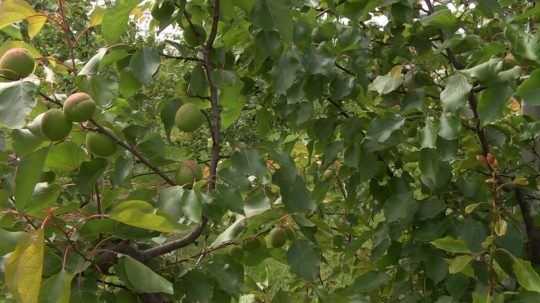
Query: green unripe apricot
x,y
188,172
79,107
276,237
100,145
16,63
189,117
194,35
54,125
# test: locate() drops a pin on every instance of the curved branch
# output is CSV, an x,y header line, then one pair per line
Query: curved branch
x,y
215,126
176,244
132,150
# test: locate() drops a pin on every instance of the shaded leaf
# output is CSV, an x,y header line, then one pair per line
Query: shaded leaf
x,y
28,174
142,279
144,64
16,102
304,259
454,95
57,288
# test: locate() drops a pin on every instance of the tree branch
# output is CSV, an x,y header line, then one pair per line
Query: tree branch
x,y
132,150
215,126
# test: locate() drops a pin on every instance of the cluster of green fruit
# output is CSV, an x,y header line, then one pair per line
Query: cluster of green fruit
x,y
194,34
188,118
276,238
56,124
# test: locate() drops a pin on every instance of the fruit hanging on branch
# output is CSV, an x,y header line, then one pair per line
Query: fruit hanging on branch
x,y
100,145
194,35
189,117
54,125
16,63
188,173
79,107
277,237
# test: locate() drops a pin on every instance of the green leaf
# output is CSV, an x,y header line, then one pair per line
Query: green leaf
x,y
228,273
450,125
66,156
197,287
369,281
144,64
91,67
529,90
284,72
382,128
231,233
57,288
454,96
103,90
16,102
9,240
436,174
429,134
122,169
44,196
168,113
459,263
441,19
115,19
492,103
28,174
25,142
451,245
232,101
128,84
389,82
141,278
198,84
304,259
24,266
526,276
487,71
400,207
273,14
294,193
142,214
256,203
89,173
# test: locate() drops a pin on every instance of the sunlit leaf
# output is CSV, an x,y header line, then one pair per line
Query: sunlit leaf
x,y
24,266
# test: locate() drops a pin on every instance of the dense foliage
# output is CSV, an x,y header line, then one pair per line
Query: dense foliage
x,y
269,151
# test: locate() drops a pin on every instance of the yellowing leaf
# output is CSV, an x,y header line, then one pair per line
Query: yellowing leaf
x,y
13,44
12,11
142,214
24,266
35,24
96,16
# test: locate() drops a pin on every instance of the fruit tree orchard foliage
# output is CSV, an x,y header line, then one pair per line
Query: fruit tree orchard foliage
x,y
342,161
